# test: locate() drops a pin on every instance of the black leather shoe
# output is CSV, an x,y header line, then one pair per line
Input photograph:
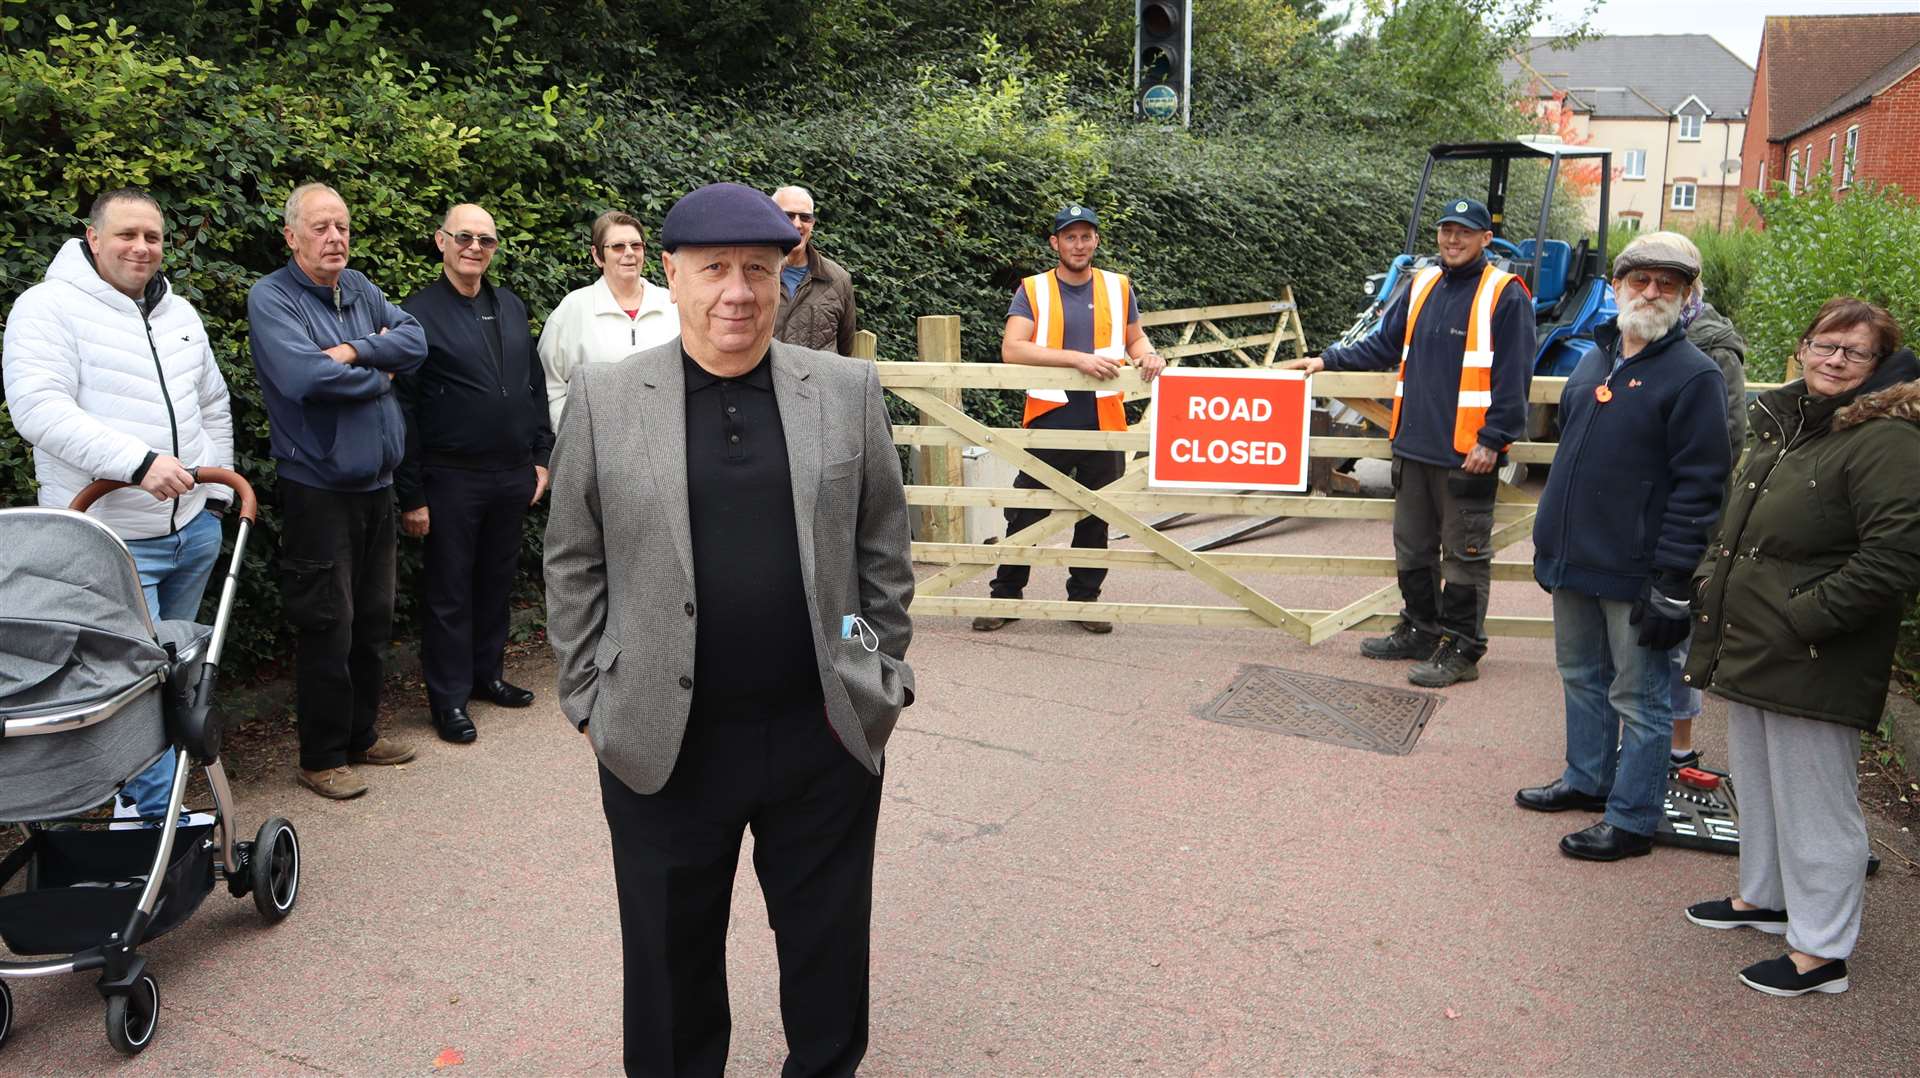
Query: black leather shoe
x,y
1605,842
504,694
453,725
1557,796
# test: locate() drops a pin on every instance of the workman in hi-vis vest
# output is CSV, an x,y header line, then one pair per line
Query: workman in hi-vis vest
x,y
1073,316
1462,338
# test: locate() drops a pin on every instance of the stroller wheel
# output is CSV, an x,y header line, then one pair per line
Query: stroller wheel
x,y
274,870
131,1018
6,1013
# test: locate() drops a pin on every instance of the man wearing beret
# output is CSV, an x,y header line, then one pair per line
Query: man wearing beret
x,y
727,587
1462,339
1635,491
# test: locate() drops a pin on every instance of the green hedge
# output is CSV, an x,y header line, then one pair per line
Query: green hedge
x,y
933,188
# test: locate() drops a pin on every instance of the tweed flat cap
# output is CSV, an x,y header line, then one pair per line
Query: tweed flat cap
x,y
1659,250
727,215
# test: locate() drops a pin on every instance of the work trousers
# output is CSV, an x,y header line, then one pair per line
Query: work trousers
x,y
1803,841
472,557
1091,468
1442,551
813,810
336,591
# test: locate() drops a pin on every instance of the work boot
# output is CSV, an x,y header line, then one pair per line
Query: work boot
x,y
985,624
1096,627
338,783
1448,665
1406,642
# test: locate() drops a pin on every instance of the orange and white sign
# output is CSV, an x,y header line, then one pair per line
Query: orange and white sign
x,y
1229,430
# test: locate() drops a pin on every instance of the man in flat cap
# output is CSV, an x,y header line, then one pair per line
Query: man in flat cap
x,y
1462,339
1632,499
727,586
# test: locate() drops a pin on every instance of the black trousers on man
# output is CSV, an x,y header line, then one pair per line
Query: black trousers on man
x,y
813,811
1091,468
336,591
472,557
1442,549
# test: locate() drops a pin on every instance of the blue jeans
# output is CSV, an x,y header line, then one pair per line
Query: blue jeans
x,y
174,570
1619,709
1687,701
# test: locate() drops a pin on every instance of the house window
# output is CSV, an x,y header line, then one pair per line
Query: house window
x,y
1636,165
1763,175
1630,222
1683,196
1832,140
1690,127
1793,173
1847,163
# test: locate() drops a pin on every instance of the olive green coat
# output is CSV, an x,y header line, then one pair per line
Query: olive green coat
x,y
1800,599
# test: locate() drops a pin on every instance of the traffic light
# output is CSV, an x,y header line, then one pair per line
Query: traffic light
x,y
1162,65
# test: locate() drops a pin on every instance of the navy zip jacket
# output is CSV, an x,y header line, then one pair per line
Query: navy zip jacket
x,y
1637,483
1431,393
336,426
465,406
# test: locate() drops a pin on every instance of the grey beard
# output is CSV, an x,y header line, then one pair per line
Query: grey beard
x,y
1649,321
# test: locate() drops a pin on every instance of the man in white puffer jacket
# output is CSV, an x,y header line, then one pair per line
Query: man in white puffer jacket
x,y
109,375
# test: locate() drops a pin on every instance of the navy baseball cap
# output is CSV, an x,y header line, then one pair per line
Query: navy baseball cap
x,y
1074,214
727,215
1465,211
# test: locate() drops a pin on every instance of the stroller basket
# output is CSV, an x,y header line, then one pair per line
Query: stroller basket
x,y
83,884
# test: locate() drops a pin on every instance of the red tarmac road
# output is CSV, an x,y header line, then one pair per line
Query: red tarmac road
x,y
1075,876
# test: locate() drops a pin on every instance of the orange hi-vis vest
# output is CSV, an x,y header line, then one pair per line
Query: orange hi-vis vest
x,y
1476,365
1110,302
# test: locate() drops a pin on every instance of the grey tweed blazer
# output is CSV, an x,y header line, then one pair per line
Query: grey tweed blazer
x,y
621,607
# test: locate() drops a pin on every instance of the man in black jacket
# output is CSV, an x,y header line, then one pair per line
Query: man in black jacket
x,y
1462,336
477,445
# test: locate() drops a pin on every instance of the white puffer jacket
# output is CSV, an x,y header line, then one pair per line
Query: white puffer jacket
x,y
94,386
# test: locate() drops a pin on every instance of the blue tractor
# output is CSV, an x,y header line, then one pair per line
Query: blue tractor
x,y
1571,293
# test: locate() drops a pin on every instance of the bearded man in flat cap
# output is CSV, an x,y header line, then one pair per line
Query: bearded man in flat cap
x,y
727,587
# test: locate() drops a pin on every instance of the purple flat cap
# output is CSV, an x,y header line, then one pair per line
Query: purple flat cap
x,y
727,215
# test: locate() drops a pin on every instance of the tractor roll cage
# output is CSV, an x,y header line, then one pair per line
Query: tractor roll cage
x,y
1498,155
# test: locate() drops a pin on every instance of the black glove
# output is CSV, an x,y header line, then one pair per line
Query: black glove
x,y
1662,612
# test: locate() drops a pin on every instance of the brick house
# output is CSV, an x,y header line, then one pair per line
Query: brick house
x,y
1671,107
1839,91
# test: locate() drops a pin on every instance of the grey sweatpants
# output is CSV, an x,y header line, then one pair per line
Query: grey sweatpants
x,y
1803,842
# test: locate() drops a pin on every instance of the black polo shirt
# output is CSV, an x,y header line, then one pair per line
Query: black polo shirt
x,y
753,644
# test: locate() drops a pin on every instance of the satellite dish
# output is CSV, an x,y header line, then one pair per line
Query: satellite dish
x,y
1730,165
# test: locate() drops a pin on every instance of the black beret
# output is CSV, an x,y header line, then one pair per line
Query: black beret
x,y
727,215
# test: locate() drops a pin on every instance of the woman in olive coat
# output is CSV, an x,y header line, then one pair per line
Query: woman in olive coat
x,y
1798,610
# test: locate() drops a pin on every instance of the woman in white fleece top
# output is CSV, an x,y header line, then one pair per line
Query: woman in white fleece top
x,y
610,319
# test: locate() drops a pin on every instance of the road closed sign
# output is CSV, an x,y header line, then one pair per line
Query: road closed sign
x,y
1229,430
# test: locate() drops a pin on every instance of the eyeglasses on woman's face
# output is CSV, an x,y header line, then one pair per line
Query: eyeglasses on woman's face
x,y
1826,349
623,246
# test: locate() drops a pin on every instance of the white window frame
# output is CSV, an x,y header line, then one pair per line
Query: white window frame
x,y
1763,176
1811,171
1628,171
1693,196
1699,125
1833,144
1630,221
1851,161
1793,172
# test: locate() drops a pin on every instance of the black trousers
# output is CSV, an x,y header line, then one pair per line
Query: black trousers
x,y
336,591
1091,468
813,811
472,556
1442,524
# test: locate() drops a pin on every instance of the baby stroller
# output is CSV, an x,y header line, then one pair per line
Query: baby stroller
x,y
91,693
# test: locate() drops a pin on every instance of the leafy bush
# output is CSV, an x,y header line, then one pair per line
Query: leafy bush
x,y
1818,245
1728,259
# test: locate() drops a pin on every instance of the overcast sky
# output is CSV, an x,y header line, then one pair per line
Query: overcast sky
x,y
1737,23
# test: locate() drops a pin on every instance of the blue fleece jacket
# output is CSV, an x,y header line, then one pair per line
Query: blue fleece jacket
x,y
1431,392
1638,480
336,426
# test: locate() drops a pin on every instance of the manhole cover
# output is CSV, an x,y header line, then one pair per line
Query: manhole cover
x,y
1330,709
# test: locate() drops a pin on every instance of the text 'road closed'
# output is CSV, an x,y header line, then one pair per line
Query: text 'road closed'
x,y
1229,430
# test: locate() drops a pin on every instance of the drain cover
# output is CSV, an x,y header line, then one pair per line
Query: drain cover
x,y
1341,712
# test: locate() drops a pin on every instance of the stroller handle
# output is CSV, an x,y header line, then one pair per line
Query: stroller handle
x,y
249,504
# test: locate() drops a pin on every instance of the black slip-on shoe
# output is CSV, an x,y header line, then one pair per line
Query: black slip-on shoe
x,y
1605,842
503,693
1557,796
1780,977
1720,914
453,724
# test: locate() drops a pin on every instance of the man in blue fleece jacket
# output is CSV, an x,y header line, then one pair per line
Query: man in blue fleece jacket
x,y
1462,335
1635,490
327,345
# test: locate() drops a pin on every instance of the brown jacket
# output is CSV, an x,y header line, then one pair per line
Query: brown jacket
x,y
820,313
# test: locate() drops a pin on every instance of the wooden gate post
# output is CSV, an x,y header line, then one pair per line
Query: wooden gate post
x,y
939,342
865,344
